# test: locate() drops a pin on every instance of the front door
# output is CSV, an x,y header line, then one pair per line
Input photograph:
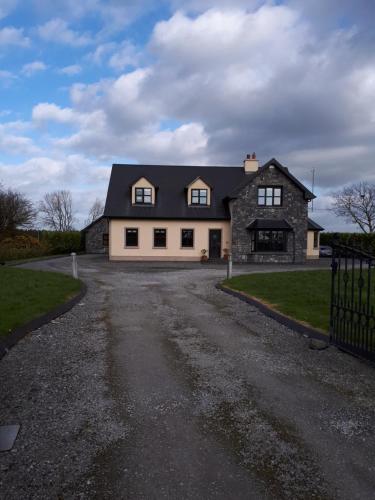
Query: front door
x,y
215,244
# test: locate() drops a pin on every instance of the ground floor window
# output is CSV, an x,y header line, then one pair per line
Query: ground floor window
x,y
316,239
105,239
160,238
269,241
187,238
131,237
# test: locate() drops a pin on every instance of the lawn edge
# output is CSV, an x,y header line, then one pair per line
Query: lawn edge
x,y
281,318
21,331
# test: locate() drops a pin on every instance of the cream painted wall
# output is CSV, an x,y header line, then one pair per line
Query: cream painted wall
x,y
143,183
145,250
312,253
199,184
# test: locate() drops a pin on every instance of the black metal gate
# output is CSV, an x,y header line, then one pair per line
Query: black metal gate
x,y
352,322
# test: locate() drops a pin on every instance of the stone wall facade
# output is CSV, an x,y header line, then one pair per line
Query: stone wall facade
x,y
244,209
94,236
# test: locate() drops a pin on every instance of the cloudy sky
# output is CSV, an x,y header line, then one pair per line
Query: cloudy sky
x,y
85,83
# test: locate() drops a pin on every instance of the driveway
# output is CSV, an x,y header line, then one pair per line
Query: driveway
x,y
161,386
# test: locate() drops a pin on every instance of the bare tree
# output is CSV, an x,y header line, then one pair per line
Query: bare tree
x,y
95,211
357,204
57,210
15,210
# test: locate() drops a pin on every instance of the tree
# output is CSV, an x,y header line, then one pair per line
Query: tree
x,y
95,211
57,210
357,204
15,210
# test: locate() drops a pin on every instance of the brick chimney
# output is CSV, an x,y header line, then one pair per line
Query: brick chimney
x,y
250,163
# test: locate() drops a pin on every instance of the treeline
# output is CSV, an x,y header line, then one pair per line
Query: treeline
x,y
366,241
19,216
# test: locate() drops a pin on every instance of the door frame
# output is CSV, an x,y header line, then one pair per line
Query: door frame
x,y
221,241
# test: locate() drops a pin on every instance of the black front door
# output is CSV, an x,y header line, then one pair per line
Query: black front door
x,y
215,244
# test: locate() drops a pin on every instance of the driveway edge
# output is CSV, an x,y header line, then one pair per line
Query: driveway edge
x,y
307,331
21,331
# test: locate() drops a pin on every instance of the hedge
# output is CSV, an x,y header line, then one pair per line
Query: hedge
x,y
360,240
28,244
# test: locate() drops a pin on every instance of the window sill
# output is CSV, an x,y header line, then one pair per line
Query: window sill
x,y
143,204
160,248
187,248
131,248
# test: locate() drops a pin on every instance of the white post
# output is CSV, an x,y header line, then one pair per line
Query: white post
x,y
229,267
74,265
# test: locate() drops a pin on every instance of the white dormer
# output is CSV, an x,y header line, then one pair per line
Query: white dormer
x,y
198,193
143,192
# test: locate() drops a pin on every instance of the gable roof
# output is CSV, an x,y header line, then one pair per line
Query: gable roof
x,y
307,193
86,228
171,196
313,226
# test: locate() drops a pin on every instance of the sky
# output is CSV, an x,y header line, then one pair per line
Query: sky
x,y
88,83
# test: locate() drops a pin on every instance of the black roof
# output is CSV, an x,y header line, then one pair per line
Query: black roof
x,y
171,181
313,226
86,228
268,224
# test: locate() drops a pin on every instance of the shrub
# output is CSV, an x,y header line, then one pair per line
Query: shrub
x,y
62,242
21,247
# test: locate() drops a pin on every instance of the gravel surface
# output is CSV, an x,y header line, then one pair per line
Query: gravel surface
x,y
161,386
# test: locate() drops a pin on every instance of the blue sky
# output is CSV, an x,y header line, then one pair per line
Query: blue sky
x,y
90,82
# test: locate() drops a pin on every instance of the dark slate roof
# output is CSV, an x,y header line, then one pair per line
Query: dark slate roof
x,y
268,224
170,182
313,226
86,228
307,193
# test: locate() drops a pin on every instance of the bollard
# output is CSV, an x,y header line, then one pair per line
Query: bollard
x,y
74,265
229,267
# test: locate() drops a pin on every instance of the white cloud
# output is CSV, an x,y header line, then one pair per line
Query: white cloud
x,y
14,144
73,69
125,55
57,31
6,6
10,36
33,67
6,77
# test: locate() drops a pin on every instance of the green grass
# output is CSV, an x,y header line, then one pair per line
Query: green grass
x,y
26,294
303,295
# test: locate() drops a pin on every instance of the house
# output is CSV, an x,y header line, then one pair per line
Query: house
x,y
96,236
165,212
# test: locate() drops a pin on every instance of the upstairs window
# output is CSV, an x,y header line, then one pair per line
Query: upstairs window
x,y
270,196
160,238
199,196
143,195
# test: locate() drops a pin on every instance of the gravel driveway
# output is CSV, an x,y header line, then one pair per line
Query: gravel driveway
x,y
157,385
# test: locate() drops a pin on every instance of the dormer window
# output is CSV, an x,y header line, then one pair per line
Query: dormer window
x,y
199,197
143,195
143,192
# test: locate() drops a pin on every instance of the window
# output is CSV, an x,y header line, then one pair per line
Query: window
x,y
143,195
270,196
199,196
131,237
105,239
187,238
269,241
316,239
160,238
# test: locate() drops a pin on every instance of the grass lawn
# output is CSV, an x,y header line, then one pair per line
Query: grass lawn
x,y
303,295
26,294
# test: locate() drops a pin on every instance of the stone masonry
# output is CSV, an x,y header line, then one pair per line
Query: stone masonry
x,y
244,209
94,236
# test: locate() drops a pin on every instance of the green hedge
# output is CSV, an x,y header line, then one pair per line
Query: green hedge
x,y
359,240
28,244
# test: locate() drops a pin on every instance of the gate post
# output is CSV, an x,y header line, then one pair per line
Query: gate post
x,y
229,267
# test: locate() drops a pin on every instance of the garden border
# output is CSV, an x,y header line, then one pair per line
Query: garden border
x,y
281,318
20,332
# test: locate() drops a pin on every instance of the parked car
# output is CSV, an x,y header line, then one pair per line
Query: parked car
x,y
325,251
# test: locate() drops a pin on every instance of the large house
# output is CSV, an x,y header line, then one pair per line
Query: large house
x,y
165,212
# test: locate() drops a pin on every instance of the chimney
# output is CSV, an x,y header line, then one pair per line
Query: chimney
x,y
251,164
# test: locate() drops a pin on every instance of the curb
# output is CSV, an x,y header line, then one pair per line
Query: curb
x,y
21,331
306,331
